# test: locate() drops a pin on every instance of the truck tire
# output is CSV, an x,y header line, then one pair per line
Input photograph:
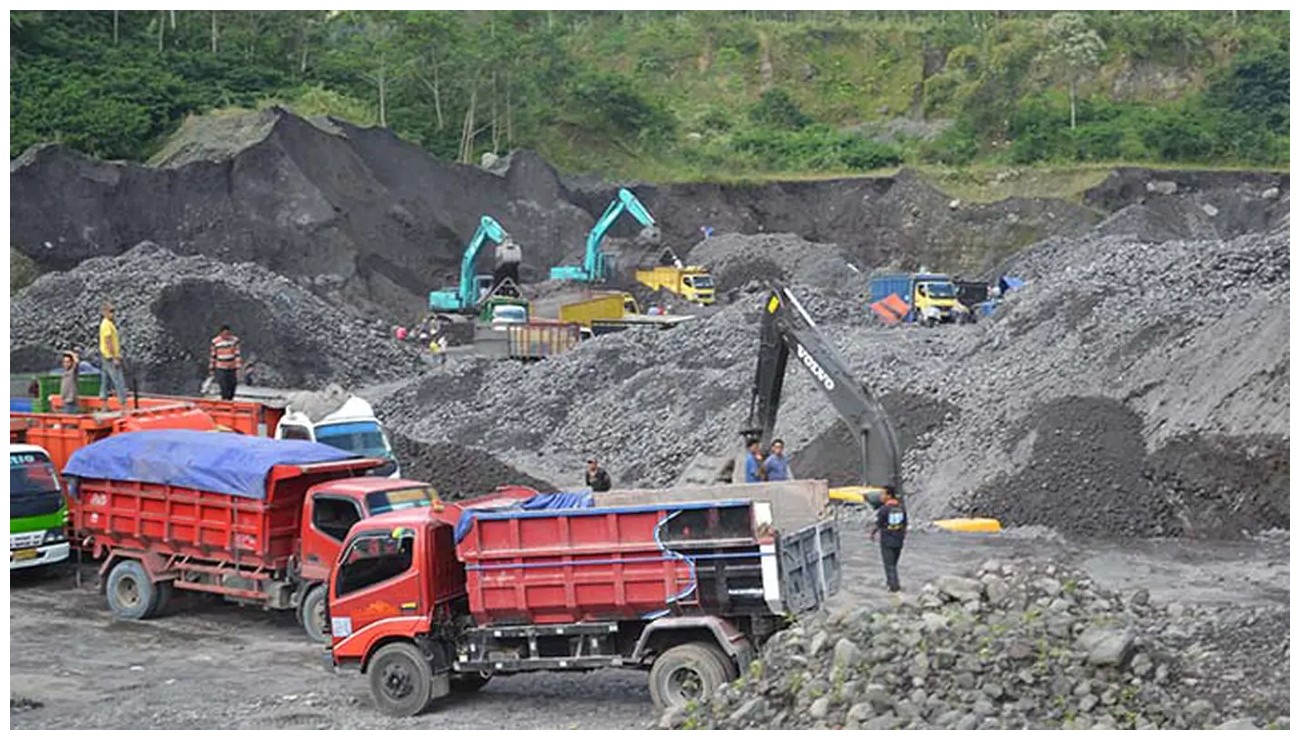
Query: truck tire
x,y
686,673
130,593
313,615
468,683
401,680
165,592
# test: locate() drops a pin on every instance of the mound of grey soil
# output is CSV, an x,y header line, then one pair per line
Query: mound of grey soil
x,y
458,472
1013,646
378,216
170,306
736,261
1114,394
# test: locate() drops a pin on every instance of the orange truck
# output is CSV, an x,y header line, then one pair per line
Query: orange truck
x,y
61,434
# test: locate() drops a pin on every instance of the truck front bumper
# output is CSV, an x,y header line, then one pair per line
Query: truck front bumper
x,y
33,557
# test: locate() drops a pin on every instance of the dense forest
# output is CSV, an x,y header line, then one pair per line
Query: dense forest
x,y
680,95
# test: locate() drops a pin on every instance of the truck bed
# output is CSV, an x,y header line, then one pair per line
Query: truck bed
x,y
170,494
637,562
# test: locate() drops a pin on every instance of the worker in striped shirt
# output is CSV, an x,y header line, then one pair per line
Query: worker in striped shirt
x,y
223,363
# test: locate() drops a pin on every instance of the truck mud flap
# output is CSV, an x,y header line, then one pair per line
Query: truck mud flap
x,y
809,566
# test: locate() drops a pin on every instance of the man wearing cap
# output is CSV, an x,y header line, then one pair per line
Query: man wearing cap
x,y
597,478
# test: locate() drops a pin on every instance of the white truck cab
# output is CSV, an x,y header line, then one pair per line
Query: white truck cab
x,y
352,427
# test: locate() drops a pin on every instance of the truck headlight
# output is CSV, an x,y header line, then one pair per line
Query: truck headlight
x,y
53,535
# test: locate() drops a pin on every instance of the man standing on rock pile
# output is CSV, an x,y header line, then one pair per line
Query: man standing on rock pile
x,y
110,349
891,527
597,478
223,363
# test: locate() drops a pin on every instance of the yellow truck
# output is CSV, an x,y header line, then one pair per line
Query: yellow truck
x,y
693,283
602,307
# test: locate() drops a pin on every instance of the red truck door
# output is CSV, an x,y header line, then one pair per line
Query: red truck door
x,y
327,519
377,578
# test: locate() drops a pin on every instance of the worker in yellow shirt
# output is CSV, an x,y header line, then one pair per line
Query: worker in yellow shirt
x,y
110,348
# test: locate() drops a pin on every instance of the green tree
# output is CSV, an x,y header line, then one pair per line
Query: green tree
x,y
777,109
1073,53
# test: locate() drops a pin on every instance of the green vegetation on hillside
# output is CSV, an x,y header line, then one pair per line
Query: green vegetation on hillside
x,y
675,95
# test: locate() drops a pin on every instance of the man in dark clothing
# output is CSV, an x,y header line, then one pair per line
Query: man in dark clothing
x,y
891,526
597,478
224,362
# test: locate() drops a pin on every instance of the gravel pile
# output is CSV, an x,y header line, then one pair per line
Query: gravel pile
x,y
1123,391
1014,646
458,472
736,260
170,306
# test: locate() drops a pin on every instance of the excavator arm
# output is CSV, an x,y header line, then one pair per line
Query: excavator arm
x,y
488,228
593,268
464,296
788,329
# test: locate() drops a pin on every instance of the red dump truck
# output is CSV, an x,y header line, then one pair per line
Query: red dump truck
x,y
258,521
686,590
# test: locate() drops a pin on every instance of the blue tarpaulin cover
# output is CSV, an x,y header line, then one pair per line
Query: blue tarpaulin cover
x,y
20,404
234,464
562,500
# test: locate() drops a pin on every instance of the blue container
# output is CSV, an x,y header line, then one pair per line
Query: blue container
x,y
20,404
886,285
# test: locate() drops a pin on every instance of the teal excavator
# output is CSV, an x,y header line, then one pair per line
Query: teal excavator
x,y
596,265
467,297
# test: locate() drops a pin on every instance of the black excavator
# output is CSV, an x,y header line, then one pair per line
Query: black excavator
x,y
787,330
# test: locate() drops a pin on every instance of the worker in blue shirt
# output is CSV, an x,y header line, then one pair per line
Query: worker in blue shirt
x,y
775,466
754,463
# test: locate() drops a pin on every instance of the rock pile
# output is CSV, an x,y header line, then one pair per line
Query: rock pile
x,y
1150,378
1013,646
169,307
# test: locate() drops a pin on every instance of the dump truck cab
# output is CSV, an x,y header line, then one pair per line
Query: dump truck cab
x,y
934,299
330,510
38,511
353,427
697,286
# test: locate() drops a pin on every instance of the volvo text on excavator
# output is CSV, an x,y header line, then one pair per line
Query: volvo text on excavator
x,y
788,329
468,296
596,265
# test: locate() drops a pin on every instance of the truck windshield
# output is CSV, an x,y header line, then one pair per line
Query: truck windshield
x,y
940,290
33,486
701,281
360,437
381,502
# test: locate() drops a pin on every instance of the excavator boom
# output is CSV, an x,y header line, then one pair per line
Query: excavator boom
x,y
788,329
465,296
594,268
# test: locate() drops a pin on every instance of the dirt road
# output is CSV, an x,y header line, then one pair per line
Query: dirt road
x,y
210,665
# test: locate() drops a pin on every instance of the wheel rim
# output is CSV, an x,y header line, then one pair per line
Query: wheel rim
x,y
685,683
128,592
398,680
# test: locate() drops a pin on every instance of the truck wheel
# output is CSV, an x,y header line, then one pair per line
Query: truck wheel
x,y
468,683
130,593
686,673
401,680
312,614
165,592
